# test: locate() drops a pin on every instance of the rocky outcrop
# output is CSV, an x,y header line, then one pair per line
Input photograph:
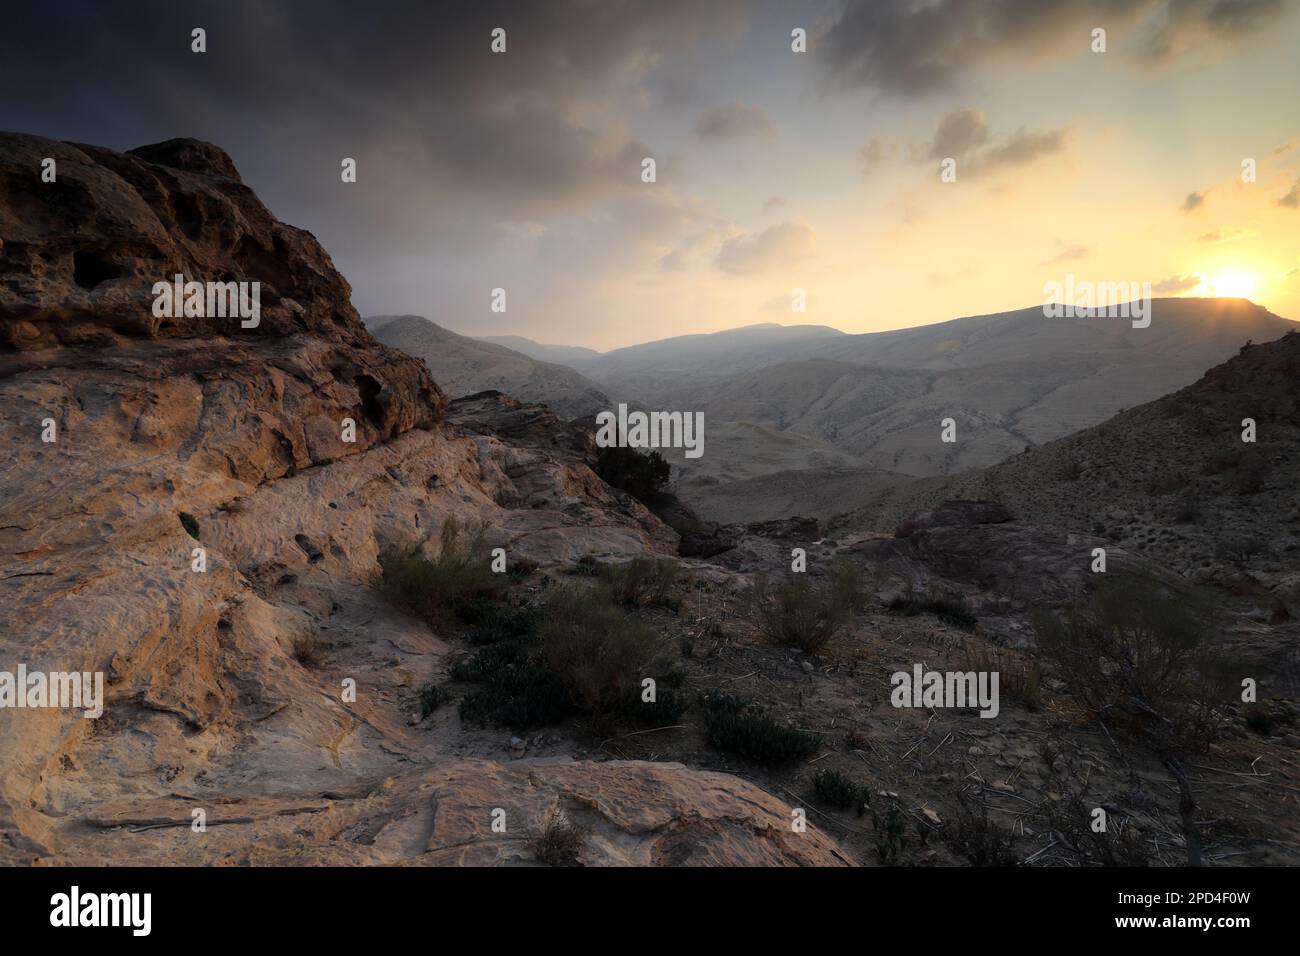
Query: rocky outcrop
x,y
181,510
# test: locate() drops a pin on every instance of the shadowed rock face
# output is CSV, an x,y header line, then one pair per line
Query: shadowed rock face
x,y
168,431
81,255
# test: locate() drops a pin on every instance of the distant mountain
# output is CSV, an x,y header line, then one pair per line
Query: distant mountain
x,y
1171,479
661,365
1008,381
462,366
573,356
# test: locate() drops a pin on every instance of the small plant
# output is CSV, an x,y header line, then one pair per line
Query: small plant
x,y
446,586
291,472
643,580
891,834
1188,509
737,725
979,839
949,606
1259,718
561,841
1019,678
796,613
190,524
522,568
585,567
836,789
602,654
433,696
308,652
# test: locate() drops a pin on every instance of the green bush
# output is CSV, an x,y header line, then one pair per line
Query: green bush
x,y
1141,656
949,606
836,789
449,585
739,726
797,613
190,524
576,654
602,654
643,580
640,475
433,696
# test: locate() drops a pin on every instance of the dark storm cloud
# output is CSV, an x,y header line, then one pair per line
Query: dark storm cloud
x,y
915,48
733,121
450,139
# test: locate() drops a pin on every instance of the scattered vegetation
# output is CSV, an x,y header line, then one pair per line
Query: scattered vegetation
x,y
977,838
797,613
561,840
190,524
1259,718
949,606
446,586
1140,658
585,567
641,581
740,726
643,476
433,696
1020,678
578,653
891,834
308,652
837,790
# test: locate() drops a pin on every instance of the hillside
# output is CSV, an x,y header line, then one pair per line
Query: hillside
x,y
1170,479
463,366
573,356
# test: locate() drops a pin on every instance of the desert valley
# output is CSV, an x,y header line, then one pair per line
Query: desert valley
x,y
472,635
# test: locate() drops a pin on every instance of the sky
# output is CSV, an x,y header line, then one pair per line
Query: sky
x,y
775,170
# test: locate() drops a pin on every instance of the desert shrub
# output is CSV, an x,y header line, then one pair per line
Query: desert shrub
x,y
601,654
1258,718
307,651
643,476
949,606
1140,656
190,524
643,580
891,834
740,726
522,567
979,839
560,840
449,585
576,654
797,613
1019,678
433,696
1071,470
585,567
836,789
1070,821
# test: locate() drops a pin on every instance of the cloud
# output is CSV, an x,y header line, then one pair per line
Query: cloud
x,y
1194,200
914,49
773,248
1024,147
1068,253
773,202
732,122
964,135
1177,284
1225,235
958,134
870,155
1292,199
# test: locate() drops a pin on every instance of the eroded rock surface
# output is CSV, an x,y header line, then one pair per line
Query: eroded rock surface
x,y
239,433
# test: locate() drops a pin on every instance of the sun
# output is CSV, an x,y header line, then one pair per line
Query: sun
x,y
1235,283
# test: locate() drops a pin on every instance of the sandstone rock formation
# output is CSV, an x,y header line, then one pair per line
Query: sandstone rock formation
x,y
167,436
